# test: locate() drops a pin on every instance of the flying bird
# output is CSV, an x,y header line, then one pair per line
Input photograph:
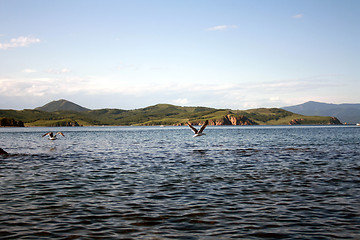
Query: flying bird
x,y
199,132
52,136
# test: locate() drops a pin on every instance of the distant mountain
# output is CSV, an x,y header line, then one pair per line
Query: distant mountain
x,y
62,105
346,113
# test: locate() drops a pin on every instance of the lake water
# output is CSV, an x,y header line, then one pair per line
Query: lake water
x,y
238,182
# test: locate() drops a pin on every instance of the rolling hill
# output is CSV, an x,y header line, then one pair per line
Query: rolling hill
x,y
61,105
346,113
71,114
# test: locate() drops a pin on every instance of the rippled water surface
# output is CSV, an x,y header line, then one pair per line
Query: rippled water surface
x,y
160,183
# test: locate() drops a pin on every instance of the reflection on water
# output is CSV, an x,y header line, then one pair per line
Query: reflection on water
x,y
160,183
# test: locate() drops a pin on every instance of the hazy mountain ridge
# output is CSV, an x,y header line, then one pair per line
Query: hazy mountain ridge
x,y
346,112
160,114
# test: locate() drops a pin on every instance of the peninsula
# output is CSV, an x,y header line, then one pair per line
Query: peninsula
x,y
66,113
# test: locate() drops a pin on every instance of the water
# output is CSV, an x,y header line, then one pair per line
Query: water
x,y
289,182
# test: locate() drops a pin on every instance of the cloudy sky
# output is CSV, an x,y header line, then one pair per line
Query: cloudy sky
x,y
216,53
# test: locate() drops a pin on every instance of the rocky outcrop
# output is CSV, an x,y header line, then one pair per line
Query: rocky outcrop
x,y
10,122
331,121
67,124
335,121
240,120
229,120
232,120
73,124
296,121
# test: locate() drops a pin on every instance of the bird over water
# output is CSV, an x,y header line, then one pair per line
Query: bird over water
x,y
199,132
52,136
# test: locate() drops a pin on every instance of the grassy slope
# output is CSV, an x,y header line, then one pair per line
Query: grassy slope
x,y
61,105
161,114
268,116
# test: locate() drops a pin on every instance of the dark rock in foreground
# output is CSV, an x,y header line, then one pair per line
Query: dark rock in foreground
x,y
3,152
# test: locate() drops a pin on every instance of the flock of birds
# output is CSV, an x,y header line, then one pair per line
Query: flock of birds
x,y
52,136
197,133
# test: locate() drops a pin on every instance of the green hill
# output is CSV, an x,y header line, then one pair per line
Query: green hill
x,y
162,114
62,105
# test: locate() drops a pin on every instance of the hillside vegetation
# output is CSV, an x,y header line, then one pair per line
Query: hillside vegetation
x,y
10,122
62,105
163,114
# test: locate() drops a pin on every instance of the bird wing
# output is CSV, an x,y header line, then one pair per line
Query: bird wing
x,y
203,126
192,128
60,134
47,134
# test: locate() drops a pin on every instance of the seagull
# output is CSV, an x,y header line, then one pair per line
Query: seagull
x,y
52,136
198,132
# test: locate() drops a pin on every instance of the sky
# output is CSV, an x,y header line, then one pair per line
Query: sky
x,y
131,54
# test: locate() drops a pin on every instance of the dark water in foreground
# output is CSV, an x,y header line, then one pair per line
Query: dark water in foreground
x,y
160,183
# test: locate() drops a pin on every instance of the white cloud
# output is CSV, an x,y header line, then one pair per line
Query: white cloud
x,y
29,70
51,71
181,101
274,99
116,93
58,71
41,86
222,27
19,42
298,16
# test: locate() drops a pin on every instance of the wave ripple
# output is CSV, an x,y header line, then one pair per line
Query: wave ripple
x,y
152,183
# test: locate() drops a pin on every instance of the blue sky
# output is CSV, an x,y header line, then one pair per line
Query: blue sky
x,y
224,54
